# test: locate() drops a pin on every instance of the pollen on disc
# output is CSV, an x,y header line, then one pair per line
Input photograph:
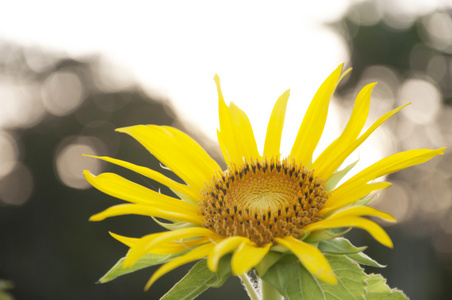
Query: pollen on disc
x,y
263,199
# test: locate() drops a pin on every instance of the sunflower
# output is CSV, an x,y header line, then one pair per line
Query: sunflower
x,y
261,203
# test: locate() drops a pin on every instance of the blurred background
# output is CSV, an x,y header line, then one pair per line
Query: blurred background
x,y
70,73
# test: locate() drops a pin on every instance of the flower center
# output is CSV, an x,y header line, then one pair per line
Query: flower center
x,y
262,200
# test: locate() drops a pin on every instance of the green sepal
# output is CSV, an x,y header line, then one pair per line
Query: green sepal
x,y
324,235
147,260
175,225
279,249
337,176
378,289
364,201
184,198
269,260
339,246
199,279
363,259
293,281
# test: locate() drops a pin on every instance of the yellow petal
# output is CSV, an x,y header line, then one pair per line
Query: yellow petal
x,y
244,132
128,241
119,187
350,194
174,247
310,257
169,248
327,162
247,256
146,243
162,211
275,126
227,128
225,246
347,149
392,164
198,151
177,151
195,254
373,228
223,148
356,211
314,120
345,73
154,175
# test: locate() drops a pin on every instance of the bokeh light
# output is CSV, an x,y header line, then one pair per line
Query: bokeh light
x,y
62,93
70,162
20,104
16,188
396,201
9,153
425,100
434,197
438,31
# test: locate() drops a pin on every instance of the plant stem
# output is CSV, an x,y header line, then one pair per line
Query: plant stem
x,y
269,293
249,287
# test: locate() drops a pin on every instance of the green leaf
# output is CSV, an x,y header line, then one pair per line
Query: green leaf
x,y
337,176
339,246
5,296
363,259
144,262
199,279
6,284
293,281
378,289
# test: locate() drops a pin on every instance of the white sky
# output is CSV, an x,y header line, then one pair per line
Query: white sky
x,y
259,48
174,48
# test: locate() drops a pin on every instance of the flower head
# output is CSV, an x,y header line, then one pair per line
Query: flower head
x,y
261,203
